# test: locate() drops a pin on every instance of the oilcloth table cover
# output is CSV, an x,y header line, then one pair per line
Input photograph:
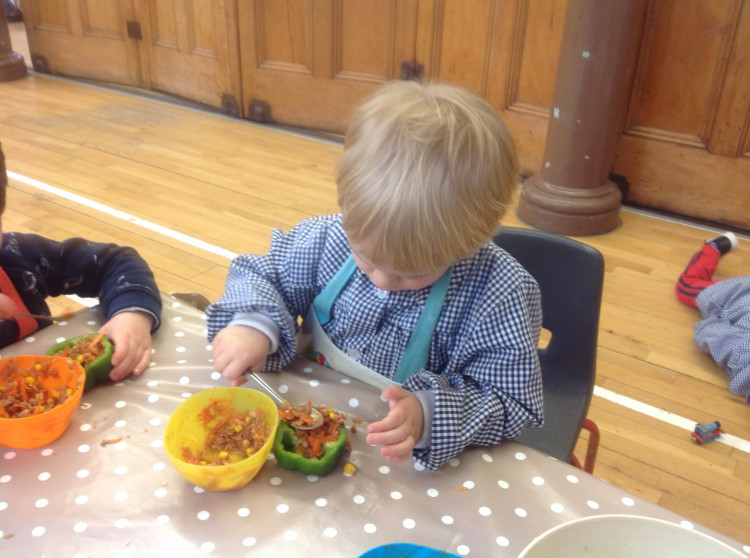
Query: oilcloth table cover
x,y
107,488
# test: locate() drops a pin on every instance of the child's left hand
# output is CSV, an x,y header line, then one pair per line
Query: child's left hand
x,y
401,429
130,332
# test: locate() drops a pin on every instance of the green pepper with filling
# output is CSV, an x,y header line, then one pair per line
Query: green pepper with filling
x,y
285,450
97,371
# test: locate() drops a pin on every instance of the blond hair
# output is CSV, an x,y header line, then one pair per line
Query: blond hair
x,y
426,175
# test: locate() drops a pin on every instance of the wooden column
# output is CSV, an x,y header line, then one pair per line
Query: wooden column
x,y
572,194
12,65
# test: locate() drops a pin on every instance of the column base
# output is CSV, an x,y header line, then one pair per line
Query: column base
x,y
569,211
12,67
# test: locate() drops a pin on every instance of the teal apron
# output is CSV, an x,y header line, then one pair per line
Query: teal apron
x,y
318,346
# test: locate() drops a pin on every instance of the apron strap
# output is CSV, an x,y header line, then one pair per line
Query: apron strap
x,y
26,325
418,347
323,302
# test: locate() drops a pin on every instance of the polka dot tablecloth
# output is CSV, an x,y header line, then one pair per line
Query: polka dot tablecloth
x,y
107,488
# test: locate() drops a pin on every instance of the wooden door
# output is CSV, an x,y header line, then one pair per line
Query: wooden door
x,y
191,50
309,62
83,38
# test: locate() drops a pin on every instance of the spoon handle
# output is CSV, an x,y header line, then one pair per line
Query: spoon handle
x,y
269,390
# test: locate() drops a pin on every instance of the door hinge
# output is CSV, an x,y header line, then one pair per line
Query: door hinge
x,y
134,30
412,70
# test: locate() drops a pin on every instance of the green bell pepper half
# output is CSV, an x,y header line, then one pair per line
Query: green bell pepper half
x,y
284,448
98,369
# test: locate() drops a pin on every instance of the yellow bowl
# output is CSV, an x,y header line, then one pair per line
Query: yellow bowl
x,y
186,429
45,427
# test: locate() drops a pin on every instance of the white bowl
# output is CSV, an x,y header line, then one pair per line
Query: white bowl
x,y
625,536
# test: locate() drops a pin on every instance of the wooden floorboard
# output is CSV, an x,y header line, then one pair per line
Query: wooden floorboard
x,y
228,183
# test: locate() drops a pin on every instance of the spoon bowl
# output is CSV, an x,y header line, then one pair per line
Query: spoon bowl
x,y
315,415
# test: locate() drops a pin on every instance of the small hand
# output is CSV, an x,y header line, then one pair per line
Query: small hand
x,y
239,349
401,429
7,307
130,333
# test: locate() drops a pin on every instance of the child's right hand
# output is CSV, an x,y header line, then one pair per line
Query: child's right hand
x,y
239,349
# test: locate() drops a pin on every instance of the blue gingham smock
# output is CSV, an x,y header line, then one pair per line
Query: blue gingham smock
x,y
724,332
482,370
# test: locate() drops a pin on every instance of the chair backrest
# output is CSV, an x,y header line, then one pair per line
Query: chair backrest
x,y
570,275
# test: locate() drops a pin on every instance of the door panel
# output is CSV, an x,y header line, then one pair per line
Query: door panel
x,y
83,38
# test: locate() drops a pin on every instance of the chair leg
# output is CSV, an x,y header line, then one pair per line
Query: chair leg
x,y
591,448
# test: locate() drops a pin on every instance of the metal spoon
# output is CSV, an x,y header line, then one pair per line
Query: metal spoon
x,y
59,318
314,413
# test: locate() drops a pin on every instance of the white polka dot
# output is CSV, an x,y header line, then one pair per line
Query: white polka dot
x,y
538,481
502,541
153,398
84,427
283,388
593,505
463,550
455,462
557,507
155,422
215,376
345,381
121,496
160,492
353,403
468,485
203,515
120,404
121,445
121,424
628,501
42,476
487,457
121,470
358,499
6,478
177,319
485,511
409,523
38,531
122,523
330,532
307,370
520,456
157,443
185,395
282,508
3,506
384,469
82,499
184,380
314,383
432,492
80,527
198,490
182,361
447,519
30,339
84,406
370,528
396,495
180,349
207,547
249,541
41,503
418,466
746,549
275,481
321,502
290,535
47,452
10,455
572,479
503,484
179,334
158,467
243,512
162,519
520,512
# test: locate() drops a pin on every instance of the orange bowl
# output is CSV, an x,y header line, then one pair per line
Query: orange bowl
x,y
45,426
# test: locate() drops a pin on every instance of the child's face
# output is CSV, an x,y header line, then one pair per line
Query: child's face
x,y
389,279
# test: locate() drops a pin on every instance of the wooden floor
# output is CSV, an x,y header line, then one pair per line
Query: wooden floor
x,y
227,183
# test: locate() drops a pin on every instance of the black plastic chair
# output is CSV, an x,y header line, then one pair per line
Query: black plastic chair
x,y
570,275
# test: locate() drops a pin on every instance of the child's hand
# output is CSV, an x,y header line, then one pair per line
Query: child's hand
x,y
401,429
130,332
239,349
7,307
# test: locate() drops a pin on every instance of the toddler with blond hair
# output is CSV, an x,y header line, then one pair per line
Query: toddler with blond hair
x,y
404,289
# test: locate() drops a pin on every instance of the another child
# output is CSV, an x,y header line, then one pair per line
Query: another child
x,y
724,332
404,289
33,268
